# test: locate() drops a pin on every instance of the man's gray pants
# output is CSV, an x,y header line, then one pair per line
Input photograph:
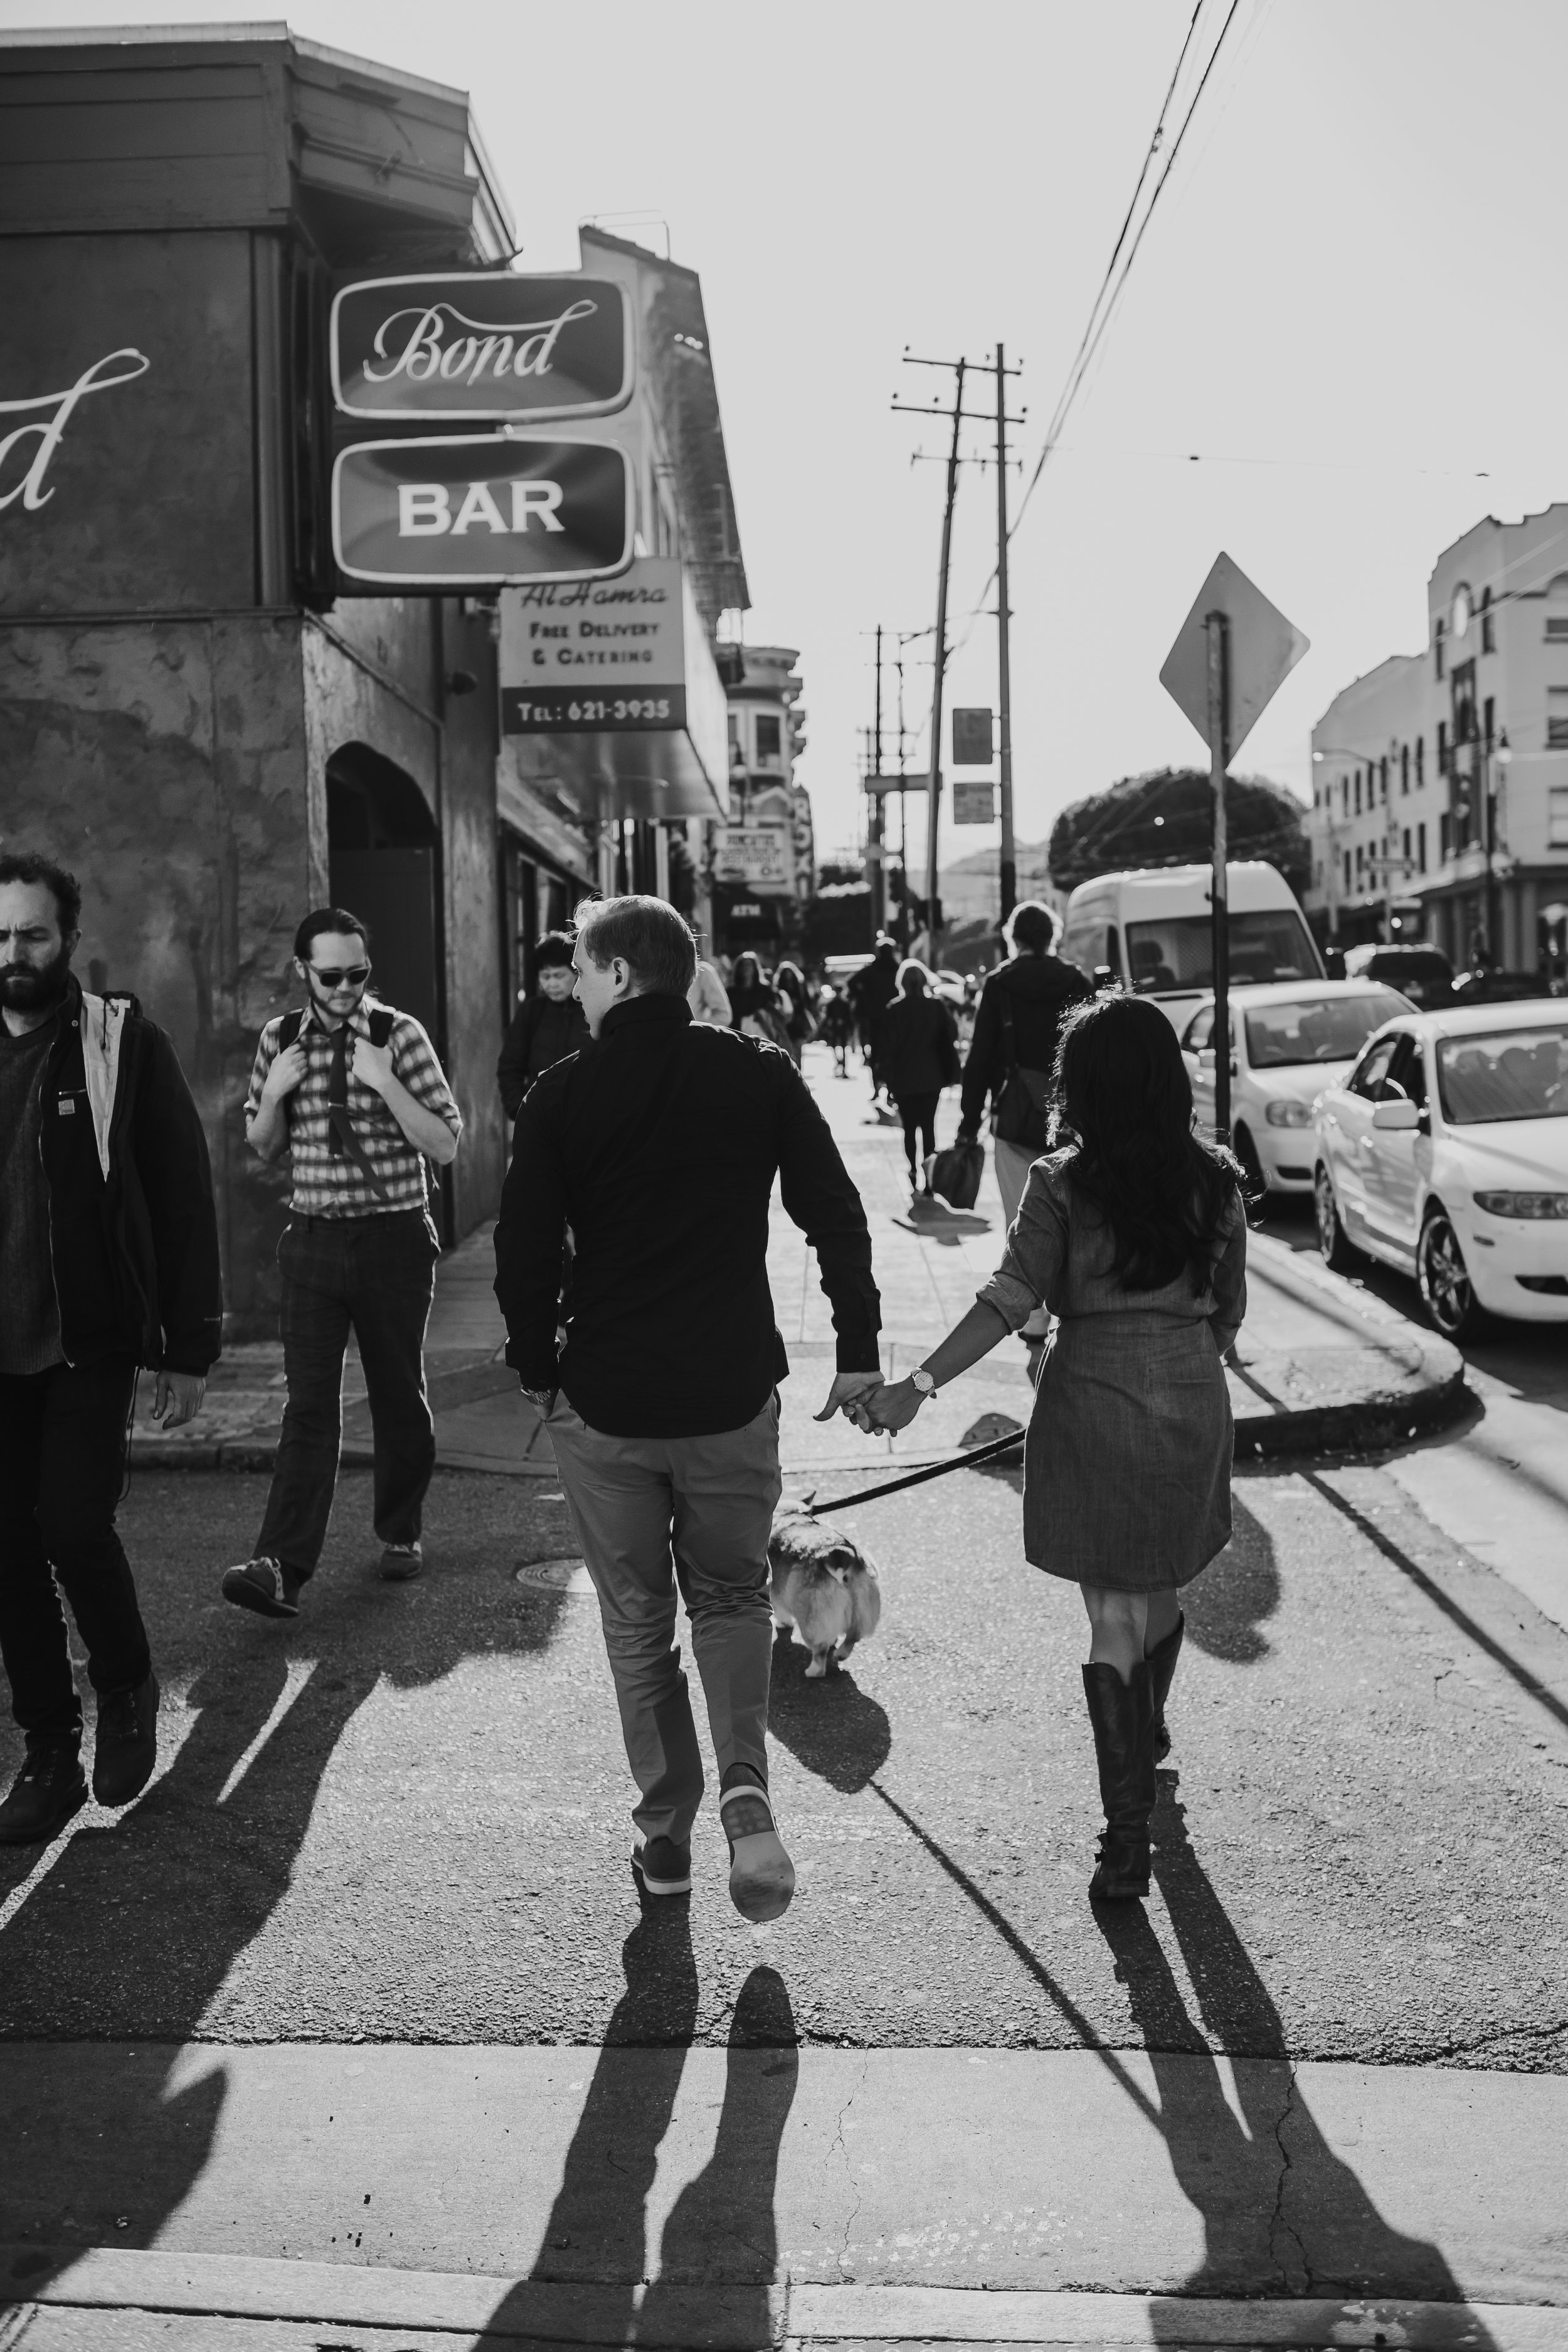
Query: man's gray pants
x,y
649,1511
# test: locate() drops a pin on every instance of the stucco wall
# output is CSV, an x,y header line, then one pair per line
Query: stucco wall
x,y
164,763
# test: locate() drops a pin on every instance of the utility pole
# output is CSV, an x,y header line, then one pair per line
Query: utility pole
x,y
1004,655
1216,626
933,802
876,824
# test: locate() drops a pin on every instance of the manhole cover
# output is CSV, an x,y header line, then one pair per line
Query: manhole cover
x,y
568,1575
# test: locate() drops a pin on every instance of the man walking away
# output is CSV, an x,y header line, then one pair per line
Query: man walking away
x,y
353,1090
660,1143
1011,1059
109,1259
548,1027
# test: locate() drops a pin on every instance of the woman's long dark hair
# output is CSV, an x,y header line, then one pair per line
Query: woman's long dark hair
x,y
1121,1087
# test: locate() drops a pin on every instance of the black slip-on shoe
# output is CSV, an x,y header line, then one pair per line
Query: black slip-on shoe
x,y
49,1791
263,1586
663,1867
127,1744
399,1562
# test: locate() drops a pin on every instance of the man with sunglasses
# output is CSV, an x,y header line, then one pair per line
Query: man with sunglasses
x,y
353,1092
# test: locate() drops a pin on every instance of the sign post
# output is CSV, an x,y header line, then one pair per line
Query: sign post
x,y
1232,654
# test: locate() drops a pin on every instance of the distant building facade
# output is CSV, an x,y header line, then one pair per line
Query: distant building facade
x,y
762,862
1440,779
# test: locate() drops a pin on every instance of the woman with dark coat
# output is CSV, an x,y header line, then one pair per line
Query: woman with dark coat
x,y
920,1056
755,1000
549,1023
1135,1234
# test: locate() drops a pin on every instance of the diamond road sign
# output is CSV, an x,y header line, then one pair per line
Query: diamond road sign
x,y
1263,649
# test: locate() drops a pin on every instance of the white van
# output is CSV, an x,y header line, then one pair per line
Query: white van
x,y
1152,931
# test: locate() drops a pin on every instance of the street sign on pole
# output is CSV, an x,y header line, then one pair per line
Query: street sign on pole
x,y
880,785
974,800
1232,654
973,746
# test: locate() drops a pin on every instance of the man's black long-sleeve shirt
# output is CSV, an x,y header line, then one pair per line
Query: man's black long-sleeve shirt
x,y
658,1144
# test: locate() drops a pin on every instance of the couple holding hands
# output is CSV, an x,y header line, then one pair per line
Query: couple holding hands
x,y
660,1143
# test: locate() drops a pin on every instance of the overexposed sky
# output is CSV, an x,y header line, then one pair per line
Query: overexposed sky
x,y
1350,303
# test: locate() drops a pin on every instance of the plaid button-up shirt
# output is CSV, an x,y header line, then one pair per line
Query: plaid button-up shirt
x,y
329,1186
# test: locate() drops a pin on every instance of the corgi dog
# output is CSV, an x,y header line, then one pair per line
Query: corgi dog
x,y
823,1585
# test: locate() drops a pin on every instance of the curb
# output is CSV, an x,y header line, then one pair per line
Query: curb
x,y
750,2318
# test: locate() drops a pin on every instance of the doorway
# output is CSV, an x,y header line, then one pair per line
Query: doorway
x,y
382,852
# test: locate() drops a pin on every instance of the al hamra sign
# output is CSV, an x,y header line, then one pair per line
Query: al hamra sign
x,y
596,657
481,346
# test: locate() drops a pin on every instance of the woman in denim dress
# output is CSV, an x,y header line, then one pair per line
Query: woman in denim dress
x,y
1134,1236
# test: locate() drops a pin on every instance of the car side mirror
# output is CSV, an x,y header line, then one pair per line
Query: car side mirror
x,y
1396,1118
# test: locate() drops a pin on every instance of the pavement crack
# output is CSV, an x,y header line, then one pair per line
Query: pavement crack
x,y
839,2145
1296,2279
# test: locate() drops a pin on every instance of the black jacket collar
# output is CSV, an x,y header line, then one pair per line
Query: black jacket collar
x,y
634,1011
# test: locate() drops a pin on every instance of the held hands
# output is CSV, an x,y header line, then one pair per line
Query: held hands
x,y
849,1394
894,1406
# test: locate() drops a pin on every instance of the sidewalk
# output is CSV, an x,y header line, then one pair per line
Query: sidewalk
x,y
1321,1366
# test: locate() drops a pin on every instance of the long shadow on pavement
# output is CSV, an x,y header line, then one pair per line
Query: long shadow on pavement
x,y
831,1726
134,1927
1282,2213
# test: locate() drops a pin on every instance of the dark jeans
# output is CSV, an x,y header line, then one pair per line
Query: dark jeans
x,y
918,1111
62,1467
375,1276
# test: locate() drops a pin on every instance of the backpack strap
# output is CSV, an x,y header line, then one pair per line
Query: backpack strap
x,y
379,1021
289,1029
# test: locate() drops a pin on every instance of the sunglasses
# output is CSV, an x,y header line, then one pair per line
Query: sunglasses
x,y
353,977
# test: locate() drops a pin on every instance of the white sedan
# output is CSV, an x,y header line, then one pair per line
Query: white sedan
x,y
1288,1039
1445,1152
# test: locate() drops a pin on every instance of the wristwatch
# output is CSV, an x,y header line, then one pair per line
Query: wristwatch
x,y
923,1380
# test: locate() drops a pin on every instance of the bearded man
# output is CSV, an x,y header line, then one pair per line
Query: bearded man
x,y
108,1260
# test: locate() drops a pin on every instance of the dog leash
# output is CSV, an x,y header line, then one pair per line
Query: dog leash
x,y
918,1478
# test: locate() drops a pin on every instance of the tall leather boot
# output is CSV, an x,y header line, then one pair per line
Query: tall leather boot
x,y
1122,1716
1160,1662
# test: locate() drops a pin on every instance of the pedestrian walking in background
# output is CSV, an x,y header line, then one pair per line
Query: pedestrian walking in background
x,y
1012,1056
757,1008
800,1028
1135,1235
872,990
708,996
547,1024
920,1053
837,1029
353,1090
108,1260
660,1142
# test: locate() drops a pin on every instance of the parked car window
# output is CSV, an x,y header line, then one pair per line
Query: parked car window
x,y
1368,1078
1317,1028
1407,1070
1507,1074
1177,952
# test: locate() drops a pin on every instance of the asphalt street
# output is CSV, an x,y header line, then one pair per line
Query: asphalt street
x,y
403,1822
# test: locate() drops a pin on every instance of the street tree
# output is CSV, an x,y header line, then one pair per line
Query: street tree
x,y
1165,818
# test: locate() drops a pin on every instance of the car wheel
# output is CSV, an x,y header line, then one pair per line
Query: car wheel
x,y
1339,1254
1253,1182
1446,1289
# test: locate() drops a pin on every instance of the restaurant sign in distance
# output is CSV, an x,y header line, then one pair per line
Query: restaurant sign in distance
x,y
481,346
480,512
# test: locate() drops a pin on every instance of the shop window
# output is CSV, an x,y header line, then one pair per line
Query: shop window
x,y
1557,717
1557,817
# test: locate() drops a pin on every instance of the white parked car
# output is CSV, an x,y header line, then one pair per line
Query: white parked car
x,y
1288,1040
1445,1152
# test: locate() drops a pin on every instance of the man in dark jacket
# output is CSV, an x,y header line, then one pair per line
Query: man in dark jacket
x,y
108,1260
660,1143
547,1025
1018,1028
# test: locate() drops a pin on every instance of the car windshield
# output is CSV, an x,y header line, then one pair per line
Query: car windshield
x,y
1317,1028
1507,1074
1176,951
